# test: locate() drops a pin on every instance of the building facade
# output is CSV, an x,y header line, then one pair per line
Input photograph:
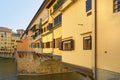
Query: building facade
x,y
8,43
108,41
5,42
83,33
15,38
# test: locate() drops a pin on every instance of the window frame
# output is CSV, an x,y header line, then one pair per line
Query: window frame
x,y
88,5
58,19
87,46
69,42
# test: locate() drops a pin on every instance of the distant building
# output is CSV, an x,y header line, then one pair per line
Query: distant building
x,y
20,31
15,37
8,40
5,39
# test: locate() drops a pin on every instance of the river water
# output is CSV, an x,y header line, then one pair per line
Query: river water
x,y
8,71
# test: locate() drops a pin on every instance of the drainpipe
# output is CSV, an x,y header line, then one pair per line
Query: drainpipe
x,y
95,42
52,36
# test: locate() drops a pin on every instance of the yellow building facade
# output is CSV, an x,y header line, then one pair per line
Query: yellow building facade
x,y
15,37
108,41
6,37
85,33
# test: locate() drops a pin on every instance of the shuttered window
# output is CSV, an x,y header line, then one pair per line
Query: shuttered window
x,y
87,43
50,26
68,45
42,45
47,44
40,30
60,45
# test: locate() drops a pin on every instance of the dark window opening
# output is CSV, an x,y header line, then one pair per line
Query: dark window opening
x,y
88,5
116,5
87,43
58,20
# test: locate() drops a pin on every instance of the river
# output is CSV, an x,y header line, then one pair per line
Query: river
x,y
8,71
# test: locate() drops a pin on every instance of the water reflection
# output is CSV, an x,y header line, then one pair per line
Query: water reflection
x,y
8,71
62,76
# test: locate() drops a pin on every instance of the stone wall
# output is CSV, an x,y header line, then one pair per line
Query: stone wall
x,y
29,62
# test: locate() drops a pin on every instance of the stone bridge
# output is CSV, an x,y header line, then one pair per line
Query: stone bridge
x,y
31,62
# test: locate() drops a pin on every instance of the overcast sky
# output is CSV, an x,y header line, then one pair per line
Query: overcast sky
x,y
17,14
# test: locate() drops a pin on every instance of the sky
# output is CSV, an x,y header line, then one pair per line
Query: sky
x,y
17,14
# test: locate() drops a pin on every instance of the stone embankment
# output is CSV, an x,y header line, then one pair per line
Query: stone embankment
x,y
30,63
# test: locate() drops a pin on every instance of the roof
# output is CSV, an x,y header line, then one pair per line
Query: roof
x,y
36,15
15,34
5,29
20,29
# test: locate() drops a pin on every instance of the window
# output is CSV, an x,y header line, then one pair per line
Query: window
x,y
40,30
58,20
36,34
42,45
33,45
88,5
87,43
50,26
47,44
37,45
34,28
45,29
68,45
116,5
33,36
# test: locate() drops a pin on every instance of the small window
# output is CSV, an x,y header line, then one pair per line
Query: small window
x,y
47,44
89,7
40,30
87,43
116,5
44,29
68,45
58,20
37,45
41,45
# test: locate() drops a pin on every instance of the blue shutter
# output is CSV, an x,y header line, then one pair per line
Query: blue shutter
x,y
88,5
